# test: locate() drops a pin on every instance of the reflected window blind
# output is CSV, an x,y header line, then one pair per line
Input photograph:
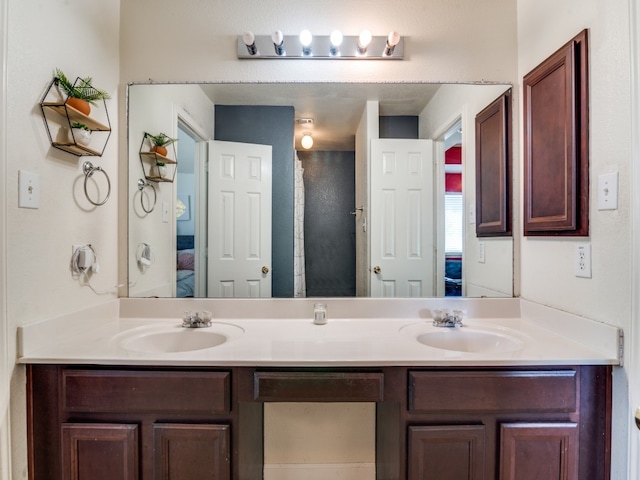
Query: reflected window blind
x,y
453,217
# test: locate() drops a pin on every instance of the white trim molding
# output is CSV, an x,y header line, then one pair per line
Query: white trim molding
x,y
6,363
633,351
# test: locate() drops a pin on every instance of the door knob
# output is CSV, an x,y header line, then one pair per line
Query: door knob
x,y
377,270
638,418
265,270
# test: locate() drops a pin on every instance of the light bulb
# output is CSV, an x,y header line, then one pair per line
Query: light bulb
x,y
305,39
363,41
336,38
249,40
278,42
277,37
306,141
392,40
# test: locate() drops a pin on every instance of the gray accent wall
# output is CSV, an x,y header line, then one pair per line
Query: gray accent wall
x,y
273,126
399,126
329,227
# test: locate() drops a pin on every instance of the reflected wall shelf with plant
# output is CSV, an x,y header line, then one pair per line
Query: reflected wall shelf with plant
x,y
158,164
72,124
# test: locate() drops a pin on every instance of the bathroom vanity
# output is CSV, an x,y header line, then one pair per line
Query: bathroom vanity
x,y
537,408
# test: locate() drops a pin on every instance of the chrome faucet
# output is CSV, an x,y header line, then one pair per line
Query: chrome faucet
x,y
442,318
196,320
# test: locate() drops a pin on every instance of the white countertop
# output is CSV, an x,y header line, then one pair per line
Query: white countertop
x,y
273,333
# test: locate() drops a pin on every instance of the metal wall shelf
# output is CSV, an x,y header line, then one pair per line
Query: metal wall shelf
x,y
59,116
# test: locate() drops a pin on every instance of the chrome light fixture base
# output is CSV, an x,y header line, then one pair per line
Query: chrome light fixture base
x,y
320,49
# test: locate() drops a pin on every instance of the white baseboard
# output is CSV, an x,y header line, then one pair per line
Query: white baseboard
x,y
320,471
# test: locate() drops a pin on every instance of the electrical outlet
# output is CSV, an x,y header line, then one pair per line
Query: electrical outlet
x,y
582,260
481,250
165,212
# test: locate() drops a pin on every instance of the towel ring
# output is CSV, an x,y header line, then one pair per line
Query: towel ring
x,y
89,170
141,186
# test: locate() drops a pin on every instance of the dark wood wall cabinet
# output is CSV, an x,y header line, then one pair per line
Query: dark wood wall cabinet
x,y
431,423
556,143
493,168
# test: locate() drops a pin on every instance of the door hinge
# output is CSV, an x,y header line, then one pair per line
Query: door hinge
x,y
621,346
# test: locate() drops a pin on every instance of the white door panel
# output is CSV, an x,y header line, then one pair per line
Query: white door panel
x,y
402,220
239,220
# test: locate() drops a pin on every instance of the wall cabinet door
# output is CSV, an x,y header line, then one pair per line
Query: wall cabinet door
x,y
449,452
532,451
191,452
93,451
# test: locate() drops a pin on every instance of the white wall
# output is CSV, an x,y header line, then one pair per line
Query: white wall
x,y
156,110
494,277
82,41
5,335
547,263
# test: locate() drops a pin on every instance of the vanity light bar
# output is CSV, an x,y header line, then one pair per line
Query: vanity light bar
x,y
320,48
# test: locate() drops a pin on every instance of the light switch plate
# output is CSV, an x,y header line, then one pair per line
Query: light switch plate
x,y
608,191
28,189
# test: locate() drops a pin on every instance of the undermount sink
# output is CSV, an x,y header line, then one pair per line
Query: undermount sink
x,y
175,339
469,340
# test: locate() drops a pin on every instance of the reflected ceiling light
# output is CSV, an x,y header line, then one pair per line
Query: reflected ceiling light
x,y
278,42
249,40
336,40
306,141
392,40
305,39
363,41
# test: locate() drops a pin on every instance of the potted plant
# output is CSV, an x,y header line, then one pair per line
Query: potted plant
x,y
81,94
80,133
159,143
160,170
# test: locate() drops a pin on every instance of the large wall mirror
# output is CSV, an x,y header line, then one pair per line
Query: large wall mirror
x,y
382,204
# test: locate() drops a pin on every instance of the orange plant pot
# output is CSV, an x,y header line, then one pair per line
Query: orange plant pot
x,y
159,150
79,104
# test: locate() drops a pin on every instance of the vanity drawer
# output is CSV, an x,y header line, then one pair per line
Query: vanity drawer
x,y
318,387
549,391
125,391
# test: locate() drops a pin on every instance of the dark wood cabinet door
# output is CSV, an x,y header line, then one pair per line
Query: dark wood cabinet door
x,y
448,452
99,451
539,451
556,143
493,168
193,452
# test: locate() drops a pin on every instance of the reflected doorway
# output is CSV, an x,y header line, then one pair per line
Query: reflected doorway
x,y
188,211
453,212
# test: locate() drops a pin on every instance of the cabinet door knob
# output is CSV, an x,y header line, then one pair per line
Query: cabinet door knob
x,y
265,270
638,418
377,270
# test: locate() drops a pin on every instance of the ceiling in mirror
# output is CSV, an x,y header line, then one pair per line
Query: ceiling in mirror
x,y
335,109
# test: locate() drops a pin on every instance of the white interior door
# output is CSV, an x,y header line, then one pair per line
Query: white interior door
x,y
239,223
402,218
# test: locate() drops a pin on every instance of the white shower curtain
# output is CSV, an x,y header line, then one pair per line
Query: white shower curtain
x,y
299,282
